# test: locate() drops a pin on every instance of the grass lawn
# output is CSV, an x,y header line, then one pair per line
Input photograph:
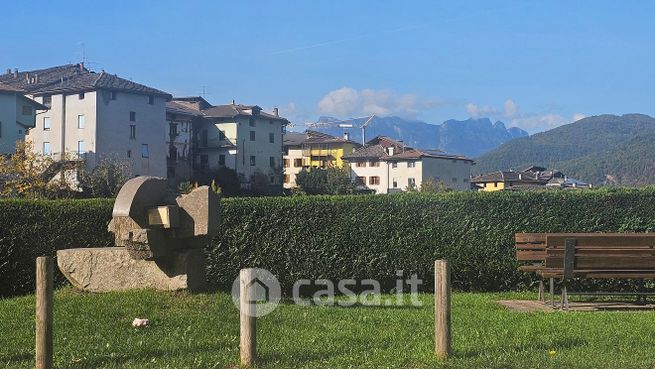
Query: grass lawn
x,y
202,331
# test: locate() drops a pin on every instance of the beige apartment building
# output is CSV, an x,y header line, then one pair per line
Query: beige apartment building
x,y
386,166
240,137
17,116
92,115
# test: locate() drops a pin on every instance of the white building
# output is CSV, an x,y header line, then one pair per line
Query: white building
x,y
179,159
92,115
240,137
386,166
17,116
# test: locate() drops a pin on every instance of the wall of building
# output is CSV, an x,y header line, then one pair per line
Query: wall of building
x,y
237,133
453,173
290,169
64,139
113,131
179,167
368,171
9,129
403,172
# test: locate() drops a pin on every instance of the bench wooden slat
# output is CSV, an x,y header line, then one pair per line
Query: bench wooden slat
x,y
603,240
530,237
531,255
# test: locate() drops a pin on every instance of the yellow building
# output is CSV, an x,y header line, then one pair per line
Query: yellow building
x,y
312,149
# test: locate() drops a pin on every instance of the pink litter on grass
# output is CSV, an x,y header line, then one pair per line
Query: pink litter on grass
x,y
138,322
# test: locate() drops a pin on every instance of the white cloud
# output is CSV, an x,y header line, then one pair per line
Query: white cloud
x,y
531,122
348,102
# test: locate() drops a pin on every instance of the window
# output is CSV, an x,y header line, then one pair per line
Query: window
x,y
81,121
411,182
46,148
46,123
454,180
221,160
144,151
221,135
47,100
411,164
27,110
252,135
287,178
172,129
204,160
394,164
271,137
395,183
374,163
112,95
253,160
297,163
81,147
286,163
360,181
132,116
251,122
80,96
170,172
360,164
151,99
272,179
129,153
271,161
466,180
172,153
375,180
132,131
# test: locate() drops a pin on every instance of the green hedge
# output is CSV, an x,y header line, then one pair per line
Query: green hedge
x,y
34,228
337,237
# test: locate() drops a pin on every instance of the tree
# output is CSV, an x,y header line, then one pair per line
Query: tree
x,y
26,174
259,184
431,185
328,181
106,179
228,180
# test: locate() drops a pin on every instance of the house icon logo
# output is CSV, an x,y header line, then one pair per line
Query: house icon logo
x,y
261,289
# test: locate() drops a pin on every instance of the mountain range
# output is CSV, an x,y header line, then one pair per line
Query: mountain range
x,y
471,137
603,150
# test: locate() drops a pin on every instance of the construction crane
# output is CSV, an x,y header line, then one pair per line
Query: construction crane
x,y
342,124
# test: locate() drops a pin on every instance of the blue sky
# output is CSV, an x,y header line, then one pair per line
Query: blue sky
x,y
535,65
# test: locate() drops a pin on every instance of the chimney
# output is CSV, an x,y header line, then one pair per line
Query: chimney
x,y
81,65
27,77
390,150
8,70
346,136
276,112
233,102
15,72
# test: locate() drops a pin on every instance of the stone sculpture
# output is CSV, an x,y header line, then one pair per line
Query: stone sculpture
x,y
159,237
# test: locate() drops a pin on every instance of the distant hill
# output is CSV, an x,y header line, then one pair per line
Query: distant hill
x,y
604,149
470,137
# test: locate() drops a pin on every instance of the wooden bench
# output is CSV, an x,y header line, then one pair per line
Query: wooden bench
x,y
586,255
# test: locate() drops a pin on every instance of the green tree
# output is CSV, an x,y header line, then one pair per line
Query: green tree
x,y
328,181
431,185
228,180
106,179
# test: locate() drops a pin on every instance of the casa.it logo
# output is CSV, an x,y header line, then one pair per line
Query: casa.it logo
x,y
262,291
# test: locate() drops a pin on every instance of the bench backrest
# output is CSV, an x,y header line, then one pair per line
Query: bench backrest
x,y
586,253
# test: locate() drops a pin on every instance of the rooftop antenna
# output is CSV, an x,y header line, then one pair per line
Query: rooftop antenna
x,y
204,92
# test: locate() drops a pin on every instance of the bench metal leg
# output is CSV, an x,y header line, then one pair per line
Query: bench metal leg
x,y
541,290
552,292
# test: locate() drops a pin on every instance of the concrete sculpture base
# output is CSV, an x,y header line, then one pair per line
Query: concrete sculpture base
x,y
112,269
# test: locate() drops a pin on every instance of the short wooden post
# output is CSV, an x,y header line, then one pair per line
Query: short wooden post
x,y
248,309
552,292
442,308
541,291
44,303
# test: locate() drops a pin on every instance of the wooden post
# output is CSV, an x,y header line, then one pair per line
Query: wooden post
x,y
552,292
541,290
248,309
442,308
44,304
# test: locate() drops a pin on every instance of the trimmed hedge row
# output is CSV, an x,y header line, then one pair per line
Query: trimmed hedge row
x,y
336,237
34,228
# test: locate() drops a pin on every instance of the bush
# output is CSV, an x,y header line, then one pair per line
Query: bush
x,y
337,237
35,228
325,181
